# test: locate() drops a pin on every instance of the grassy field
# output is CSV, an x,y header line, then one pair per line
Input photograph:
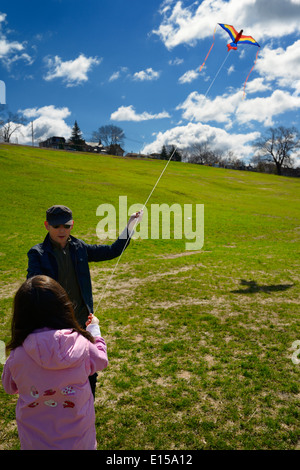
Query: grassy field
x,y
199,342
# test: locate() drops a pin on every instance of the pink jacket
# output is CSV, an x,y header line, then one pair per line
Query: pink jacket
x,y
55,409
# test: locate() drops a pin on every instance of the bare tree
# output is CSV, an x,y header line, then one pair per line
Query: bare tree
x,y
277,147
10,123
231,160
109,135
202,154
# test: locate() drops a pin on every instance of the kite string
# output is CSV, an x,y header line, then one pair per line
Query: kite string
x,y
175,148
159,178
132,230
215,77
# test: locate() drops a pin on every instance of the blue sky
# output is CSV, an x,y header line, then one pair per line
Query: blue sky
x,y
136,65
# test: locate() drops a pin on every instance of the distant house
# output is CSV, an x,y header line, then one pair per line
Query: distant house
x,y
136,155
132,155
54,143
115,149
95,147
155,155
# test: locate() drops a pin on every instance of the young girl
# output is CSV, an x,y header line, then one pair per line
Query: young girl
x,y
49,364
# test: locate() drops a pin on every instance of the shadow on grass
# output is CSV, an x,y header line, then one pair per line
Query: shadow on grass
x,y
251,287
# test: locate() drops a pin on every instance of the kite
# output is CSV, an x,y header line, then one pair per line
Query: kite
x,y
237,38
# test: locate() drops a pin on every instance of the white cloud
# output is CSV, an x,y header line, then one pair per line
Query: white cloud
x,y
114,76
188,76
26,57
282,65
47,121
231,108
6,47
230,70
9,50
176,61
143,75
257,85
198,108
148,74
185,136
265,109
49,111
259,18
73,72
128,113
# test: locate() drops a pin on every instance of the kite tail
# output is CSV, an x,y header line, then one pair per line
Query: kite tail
x,y
250,73
209,50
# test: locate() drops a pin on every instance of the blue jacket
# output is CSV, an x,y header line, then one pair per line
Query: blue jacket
x,y
41,260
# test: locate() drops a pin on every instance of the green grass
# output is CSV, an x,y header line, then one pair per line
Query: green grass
x,y
199,343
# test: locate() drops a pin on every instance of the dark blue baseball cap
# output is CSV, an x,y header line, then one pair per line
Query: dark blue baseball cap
x,y
59,215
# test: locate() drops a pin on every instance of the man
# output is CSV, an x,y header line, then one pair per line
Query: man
x,y
65,259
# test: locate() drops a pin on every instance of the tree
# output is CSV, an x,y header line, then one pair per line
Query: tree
x,y
202,154
164,153
230,160
109,135
176,155
76,140
168,151
10,123
277,146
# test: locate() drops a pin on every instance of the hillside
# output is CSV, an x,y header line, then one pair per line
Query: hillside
x,y
200,342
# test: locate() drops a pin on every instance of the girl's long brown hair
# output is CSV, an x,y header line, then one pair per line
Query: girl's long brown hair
x,y
42,302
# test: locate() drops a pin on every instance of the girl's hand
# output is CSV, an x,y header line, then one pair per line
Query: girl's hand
x,y
91,320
